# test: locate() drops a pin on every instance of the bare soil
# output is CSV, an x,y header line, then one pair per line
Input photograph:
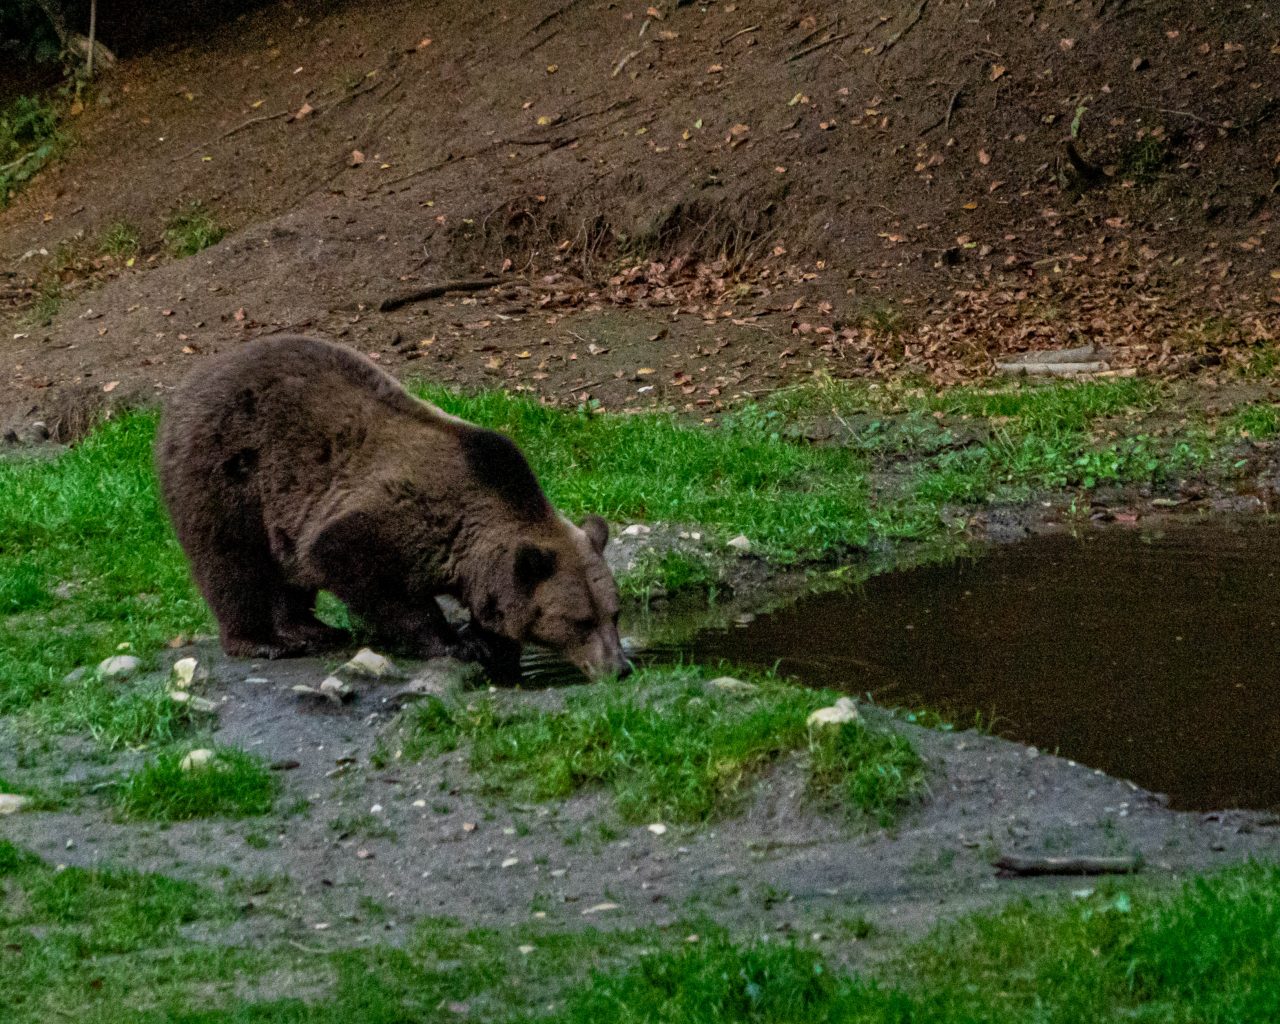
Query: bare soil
x,y
730,198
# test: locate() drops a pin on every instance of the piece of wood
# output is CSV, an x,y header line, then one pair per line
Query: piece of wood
x,y
1027,866
434,291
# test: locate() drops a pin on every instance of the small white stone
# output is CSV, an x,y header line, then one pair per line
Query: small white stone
x,y
739,543
203,705
511,862
525,950
376,809
370,664
600,908
842,712
119,666
256,679
637,530
335,689
419,803
321,926
11,803
559,872
179,696
658,829
198,758
187,672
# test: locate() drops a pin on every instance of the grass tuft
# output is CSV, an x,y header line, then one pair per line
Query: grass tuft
x,y
121,240
233,784
667,749
192,229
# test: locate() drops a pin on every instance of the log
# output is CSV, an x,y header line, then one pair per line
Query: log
x,y
1017,865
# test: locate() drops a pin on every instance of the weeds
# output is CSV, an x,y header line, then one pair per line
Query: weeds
x,y
192,229
29,139
232,784
122,241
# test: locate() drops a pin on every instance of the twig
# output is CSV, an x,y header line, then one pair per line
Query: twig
x,y
434,291
554,143
563,9
741,32
818,46
238,128
1068,865
615,105
892,41
951,107
617,68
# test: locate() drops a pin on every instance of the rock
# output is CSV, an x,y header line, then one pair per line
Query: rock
x,y
187,672
201,757
843,711
728,684
200,704
12,803
371,665
442,678
336,690
739,544
119,666
636,530
75,675
658,829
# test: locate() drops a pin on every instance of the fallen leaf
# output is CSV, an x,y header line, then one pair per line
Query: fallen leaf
x,y
984,157
423,43
302,112
239,315
997,71
110,386
715,69
552,68
357,158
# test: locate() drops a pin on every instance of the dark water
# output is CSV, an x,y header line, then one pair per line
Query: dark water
x,y
1151,656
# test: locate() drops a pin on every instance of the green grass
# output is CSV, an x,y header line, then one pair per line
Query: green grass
x,y
29,139
232,784
192,229
739,477
121,240
90,523
668,749
1209,953
116,946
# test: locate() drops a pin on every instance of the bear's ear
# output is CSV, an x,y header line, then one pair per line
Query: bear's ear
x,y
597,531
533,565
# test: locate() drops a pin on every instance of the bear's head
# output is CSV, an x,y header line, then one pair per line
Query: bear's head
x,y
562,595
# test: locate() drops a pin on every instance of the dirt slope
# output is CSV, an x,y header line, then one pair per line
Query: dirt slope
x,y
902,171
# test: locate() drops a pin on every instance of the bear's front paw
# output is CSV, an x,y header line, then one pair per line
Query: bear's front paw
x,y
497,655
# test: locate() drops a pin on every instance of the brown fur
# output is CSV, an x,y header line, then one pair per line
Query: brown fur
x,y
291,465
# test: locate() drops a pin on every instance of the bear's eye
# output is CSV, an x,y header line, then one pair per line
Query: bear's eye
x,y
584,625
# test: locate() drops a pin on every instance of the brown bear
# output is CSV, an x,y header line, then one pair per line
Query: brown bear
x,y
291,465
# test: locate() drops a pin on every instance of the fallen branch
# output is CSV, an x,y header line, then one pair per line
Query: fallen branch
x,y
741,32
818,46
563,9
1027,866
232,131
617,68
892,41
434,291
